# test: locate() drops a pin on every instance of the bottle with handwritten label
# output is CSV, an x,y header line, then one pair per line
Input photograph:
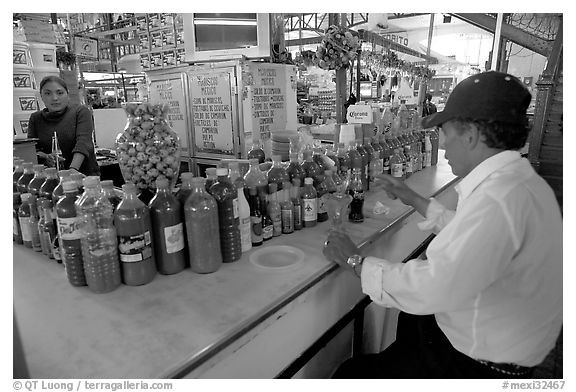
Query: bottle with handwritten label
x,y
166,214
226,197
135,246
309,203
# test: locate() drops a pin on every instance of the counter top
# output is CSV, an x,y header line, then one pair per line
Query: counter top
x,y
172,325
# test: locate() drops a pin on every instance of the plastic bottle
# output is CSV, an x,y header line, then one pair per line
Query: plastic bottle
x,y
166,215
332,154
50,183
17,173
98,238
428,151
202,229
185,187
135,245
58,192
256,178
418,156
287,209
294,169
211,177
321,195
234,173
228,217
26,177
356,190
17,231
344,163
37,181
297,204
434,139
256,152
311,168
46,227
365,162
245,224
404,116
24,214
34,218
379,159
396,165
387,119
267,224
108,190
319,157
255,218
277,174
409,161
309,203
387,153
69,236
274,210
79,178
373,160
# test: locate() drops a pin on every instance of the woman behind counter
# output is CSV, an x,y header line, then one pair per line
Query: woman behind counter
x,y
72,123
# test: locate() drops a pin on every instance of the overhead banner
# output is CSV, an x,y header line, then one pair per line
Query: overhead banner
x,y
86,47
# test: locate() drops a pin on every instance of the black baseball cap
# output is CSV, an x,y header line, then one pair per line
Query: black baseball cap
x,y
488,95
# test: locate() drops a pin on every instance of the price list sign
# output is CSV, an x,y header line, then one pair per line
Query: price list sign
x,y
268,101
170,91
212,112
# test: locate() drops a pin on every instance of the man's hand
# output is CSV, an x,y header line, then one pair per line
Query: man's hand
x,y
397,188
338,247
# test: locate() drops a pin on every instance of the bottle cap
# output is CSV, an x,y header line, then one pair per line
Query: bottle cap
x,y
38,167
107,183
186,176
221,171
88,182
50,171
129,188
25,196
308,181
161,183
27,165
69,186
63,173
198,180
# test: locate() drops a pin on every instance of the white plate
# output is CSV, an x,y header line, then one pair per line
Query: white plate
x,y
279,257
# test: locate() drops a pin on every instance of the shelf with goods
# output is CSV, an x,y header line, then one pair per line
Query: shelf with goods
x,y
161,40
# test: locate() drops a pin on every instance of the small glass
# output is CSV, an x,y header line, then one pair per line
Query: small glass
x,y
337,205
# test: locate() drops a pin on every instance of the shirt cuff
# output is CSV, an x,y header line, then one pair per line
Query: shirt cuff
x,y
434,216
372,275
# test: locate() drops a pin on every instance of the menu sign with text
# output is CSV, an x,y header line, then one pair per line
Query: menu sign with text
x,y
268,99
170,91
212,112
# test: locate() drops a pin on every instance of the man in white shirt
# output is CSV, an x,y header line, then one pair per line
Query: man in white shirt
x,y
487,301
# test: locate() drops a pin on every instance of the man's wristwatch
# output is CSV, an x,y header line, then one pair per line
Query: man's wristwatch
x,y
354,261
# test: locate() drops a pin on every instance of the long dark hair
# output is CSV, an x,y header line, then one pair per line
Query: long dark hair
x,y
53,78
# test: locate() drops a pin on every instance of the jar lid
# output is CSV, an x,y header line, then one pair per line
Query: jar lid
x,y
39,167
25,196
91,181
69,186
308,181
186,175
221,171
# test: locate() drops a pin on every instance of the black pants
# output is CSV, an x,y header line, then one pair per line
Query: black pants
x,y
421,350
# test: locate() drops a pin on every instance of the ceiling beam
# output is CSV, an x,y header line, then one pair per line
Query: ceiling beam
x,y
511,33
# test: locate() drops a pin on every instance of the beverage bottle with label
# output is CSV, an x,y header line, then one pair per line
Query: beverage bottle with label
x,y
202,229
235,177
418,156
50,183
356,190
98,238
211,177
373,159
34,218
108,190
404,115
344,164
365,161
69,236
311,168
46,227
24,215
256,152
409,161
387,152
321,196
58,192
286,208
379,152
294,169
245,223
79,178
397,165
267,224
26,177
256,178
297,204
332,154
37,181
434,140
387,118
18,171
427,151
228,216
274,210
185,187
17,231
134,231
309,203
277,174
255,217
166,215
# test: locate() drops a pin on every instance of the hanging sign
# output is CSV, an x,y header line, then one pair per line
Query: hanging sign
x,y
170,91
212,112
86,47
359,114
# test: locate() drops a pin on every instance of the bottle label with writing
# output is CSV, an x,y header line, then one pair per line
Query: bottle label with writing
x,y
134,248
309,207
26,227
397,170
409,166
256,232
174,238
245,231
267,232
297,215
322,205
235,208
277,226
386,165
68,228
287,221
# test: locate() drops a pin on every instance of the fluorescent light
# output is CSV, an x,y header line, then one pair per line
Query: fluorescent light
x,y
225,22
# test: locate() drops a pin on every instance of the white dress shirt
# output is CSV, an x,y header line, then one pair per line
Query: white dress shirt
x,y
493,274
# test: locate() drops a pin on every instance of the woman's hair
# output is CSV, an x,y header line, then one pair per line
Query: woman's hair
x,y
53,78
498,135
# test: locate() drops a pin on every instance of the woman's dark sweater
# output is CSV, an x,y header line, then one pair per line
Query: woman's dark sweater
x,y
74,127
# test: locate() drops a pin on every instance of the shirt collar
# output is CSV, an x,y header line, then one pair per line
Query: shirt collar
x,y
484,170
